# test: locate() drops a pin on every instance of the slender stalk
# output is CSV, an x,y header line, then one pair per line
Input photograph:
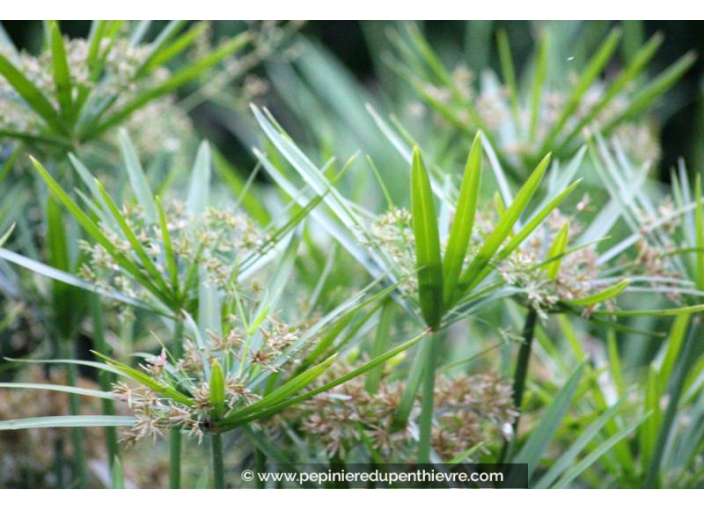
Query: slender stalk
x,y
426,413
175,459
520,374
105,378
74,405
218,464
175,434
676,386
519,380
260,463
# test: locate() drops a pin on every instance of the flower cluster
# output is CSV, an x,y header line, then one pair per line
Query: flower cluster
x,y
392,233
575,279
240,357
214,242
123,62
469,411
490,101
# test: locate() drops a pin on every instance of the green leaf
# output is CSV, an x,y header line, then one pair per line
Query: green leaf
x,y
282,275
32,95
60,388
534,222
556,250
67,421
591,73
138,181
597,452
90,181
505,225
410,391
249,202
648,94
567,459
6,235
62,276
381,341
699,233
601,296
463,222
231,422
95,38
509,75
163,52
217,390
427,239
539,74
291,387
62,75
668,312
169,253
540,437
676,386
178,79
58,141
117,475
159,287
94,230
199,188
65,311
147,381
634,69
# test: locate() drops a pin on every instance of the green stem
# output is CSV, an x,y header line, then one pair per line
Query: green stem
x,y
74,405
105,378
684,362
520,374
175,434
260,463
175,459
426,413
519,381
218,465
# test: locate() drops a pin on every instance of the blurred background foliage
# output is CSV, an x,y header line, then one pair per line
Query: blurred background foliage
x,y
362,52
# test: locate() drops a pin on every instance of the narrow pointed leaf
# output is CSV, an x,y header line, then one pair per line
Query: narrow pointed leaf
x,y
427,238
463,222
30,93
593,456
558,247
62,75
289,388
699,234
199,188
601,296
217,390
566,460
542,434
147,381
67,421
505,225
246,418
6,235
86,392
138,181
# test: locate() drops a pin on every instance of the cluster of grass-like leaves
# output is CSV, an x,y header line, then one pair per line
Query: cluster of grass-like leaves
x,y
272,306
